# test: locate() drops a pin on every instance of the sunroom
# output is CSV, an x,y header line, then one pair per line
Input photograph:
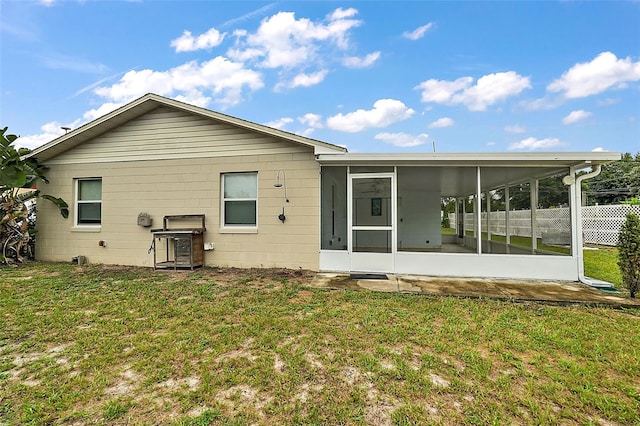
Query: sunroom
x,y
503,215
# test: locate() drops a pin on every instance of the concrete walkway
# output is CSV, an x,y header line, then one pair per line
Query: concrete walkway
x,y
560,292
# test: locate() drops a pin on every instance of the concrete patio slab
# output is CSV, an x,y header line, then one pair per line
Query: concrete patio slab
x,y
560,292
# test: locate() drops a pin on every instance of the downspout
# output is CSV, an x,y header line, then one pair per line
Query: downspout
x,y
578,203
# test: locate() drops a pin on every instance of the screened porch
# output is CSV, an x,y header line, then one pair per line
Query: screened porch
x,y
463,216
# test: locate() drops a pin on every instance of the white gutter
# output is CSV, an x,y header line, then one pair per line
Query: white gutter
x,y
578,207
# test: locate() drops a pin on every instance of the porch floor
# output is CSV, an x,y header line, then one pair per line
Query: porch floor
x,y
561,292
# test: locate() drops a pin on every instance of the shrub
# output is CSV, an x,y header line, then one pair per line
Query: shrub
x,y
629,253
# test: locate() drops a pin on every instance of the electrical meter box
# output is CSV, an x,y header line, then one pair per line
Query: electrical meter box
x,y
144,219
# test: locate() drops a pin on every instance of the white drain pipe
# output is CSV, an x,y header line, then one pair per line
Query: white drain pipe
x,y
578,204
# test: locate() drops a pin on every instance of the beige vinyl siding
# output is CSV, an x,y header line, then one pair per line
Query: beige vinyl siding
x,y
187,186
167,133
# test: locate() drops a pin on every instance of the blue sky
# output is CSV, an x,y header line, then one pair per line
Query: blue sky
x,y
372,76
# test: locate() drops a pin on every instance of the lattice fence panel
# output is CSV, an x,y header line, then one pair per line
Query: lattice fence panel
x,y
600,224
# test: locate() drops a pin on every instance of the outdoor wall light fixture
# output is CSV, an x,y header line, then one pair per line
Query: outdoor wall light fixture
x,y
283,184
569,180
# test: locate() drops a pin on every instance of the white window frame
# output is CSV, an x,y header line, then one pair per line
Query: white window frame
x,y
233,228
78,202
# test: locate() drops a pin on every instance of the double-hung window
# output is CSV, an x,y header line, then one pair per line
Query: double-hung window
x,y
240,200
89,202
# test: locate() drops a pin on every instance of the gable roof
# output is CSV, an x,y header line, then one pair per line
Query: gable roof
x,y
149,102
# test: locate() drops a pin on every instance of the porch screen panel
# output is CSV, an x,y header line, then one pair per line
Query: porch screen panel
x,y
553,216
372,241
372,202
508,224
333,208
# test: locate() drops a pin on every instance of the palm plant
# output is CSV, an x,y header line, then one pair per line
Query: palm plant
x,y
19,176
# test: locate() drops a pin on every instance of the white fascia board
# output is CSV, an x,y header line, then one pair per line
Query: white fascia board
x,y
540,159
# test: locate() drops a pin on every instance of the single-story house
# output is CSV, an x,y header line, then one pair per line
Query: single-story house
x,y
271,198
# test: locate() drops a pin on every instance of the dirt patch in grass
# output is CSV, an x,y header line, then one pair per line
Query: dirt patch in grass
x,y
302,297
256,274
243,398
124,384
191,383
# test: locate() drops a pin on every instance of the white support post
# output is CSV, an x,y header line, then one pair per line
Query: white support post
x,y
507,230
533,195
474,202
460,219
488,221
574,212
349,213
478,210
488,195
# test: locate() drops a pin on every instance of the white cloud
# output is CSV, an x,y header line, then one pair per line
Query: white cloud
x,y
488,90
249,15
220,78
531,143
103,109
53,129
306,80
243,55
50,131
403,140
97,83
57,61
300,48
311,120
442,122
492,88
590,78
357,62
516,128
441,91
599,149
280,123
188,43
47,3
136,83
194,97
575,116
384,113
341,13
608,101
306,132
418,33
284,41
546,102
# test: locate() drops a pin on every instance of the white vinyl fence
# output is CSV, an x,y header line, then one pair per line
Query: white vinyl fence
x,y
600,224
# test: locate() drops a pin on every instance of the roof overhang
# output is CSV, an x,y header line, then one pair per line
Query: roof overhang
x,y
558,160
457,171
150,102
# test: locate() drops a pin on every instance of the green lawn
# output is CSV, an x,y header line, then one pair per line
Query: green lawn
x,y
107,345
602,263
